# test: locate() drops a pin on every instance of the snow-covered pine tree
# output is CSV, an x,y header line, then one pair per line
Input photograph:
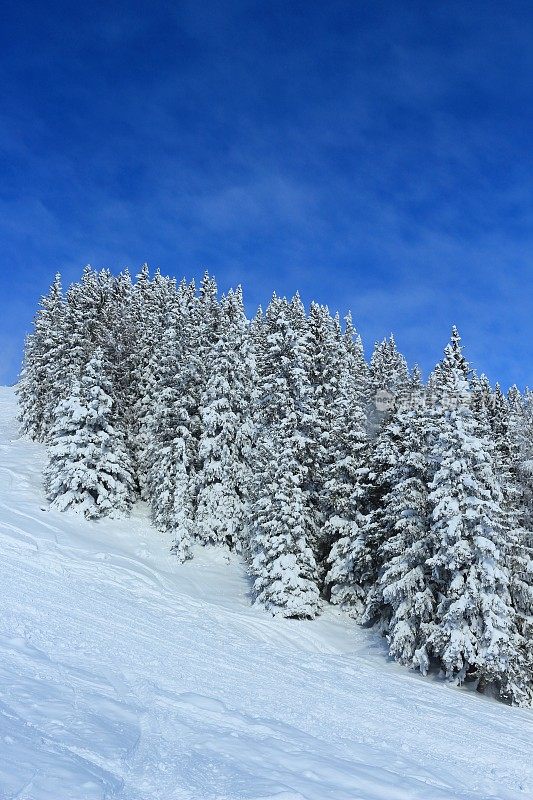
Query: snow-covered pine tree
x,y
325,352
347,473
86,326
145,331
373,526
389,378
281,559
89,470
167,409
87,321
152,302
508,425
355,559
493,409
120,348
170,446
226,438
256,323
521,434
473,629
38,389
377,499
456,355
206,331
196,320
482,397
358,365
343,491
403,598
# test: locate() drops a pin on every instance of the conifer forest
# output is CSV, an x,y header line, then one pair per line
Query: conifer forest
x,y
406,502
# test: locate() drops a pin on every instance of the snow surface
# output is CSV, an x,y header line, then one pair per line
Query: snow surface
x,y
126,675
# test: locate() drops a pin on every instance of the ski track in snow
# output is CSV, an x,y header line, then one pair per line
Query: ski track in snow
x,y
125,675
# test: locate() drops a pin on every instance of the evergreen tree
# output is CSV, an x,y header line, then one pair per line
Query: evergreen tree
x,y
343,492
355,559
374,526
153,303
88,470
356,356
205,332
38,389
497,414
282,559
324,350
455,355
404,596
227,431
508,426
473,627
482,397
88,318
170,450
389,377
121,348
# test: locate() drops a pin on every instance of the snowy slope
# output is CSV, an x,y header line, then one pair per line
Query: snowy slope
x,y
125,675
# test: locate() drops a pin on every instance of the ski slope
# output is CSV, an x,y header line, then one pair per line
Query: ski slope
x,y
125,675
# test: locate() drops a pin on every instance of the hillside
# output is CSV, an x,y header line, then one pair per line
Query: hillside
x,y
125,675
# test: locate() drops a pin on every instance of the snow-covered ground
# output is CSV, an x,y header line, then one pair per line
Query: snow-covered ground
x,y
126,675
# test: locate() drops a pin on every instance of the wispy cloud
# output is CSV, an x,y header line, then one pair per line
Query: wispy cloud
x,y
369,156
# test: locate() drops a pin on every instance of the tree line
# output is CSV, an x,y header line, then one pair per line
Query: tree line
x,y
409,504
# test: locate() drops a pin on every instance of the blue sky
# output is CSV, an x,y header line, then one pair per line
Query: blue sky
x,y
374,155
